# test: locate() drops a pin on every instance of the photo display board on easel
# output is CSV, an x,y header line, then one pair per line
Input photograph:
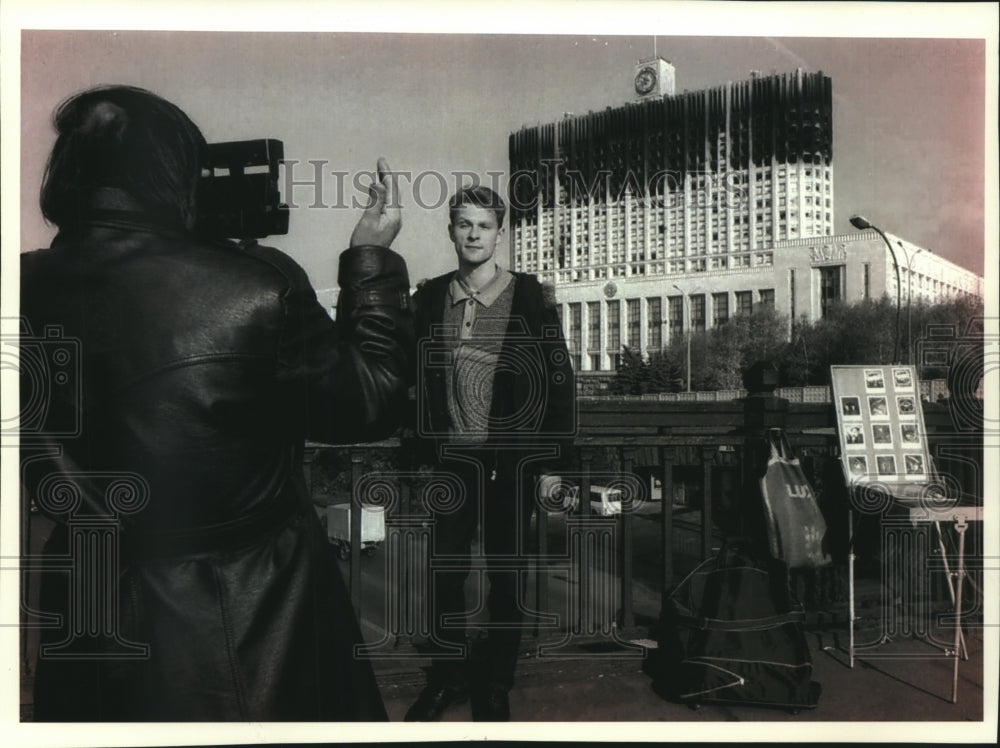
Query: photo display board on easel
x,y
880,424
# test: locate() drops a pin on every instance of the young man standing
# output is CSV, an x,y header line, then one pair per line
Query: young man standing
x,y
496,411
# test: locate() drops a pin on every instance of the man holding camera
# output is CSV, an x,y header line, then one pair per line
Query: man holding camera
x,y
204,367
496,414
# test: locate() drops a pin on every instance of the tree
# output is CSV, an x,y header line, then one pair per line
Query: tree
x,y
859,333
636,376
719,356
937,327
863,333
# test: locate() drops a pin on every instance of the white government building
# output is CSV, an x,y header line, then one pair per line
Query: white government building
x,y
676,212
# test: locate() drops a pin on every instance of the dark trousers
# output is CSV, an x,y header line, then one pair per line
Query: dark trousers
x,y
495,502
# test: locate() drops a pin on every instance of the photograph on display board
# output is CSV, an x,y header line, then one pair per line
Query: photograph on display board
x,y
886,464
858,466
881,434
908,433
906,405
874,379
878,407
850,406
854,436
902,378
914,464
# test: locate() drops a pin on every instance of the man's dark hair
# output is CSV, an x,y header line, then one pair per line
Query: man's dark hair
x,y
482,197
125,138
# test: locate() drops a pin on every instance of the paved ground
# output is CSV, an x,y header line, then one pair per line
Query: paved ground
x,y
905,681
588,689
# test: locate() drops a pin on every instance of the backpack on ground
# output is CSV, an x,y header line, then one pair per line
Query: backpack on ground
x,y
732,633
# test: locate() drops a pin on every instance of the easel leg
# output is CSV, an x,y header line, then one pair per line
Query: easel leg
x,y
850,584
960,527
948,578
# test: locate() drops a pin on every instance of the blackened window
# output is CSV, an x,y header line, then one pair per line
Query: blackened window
x,y
575,329
614,327
720,308
744,302
830,286
654,333
593,326
676,312
698,312
633,320
791,294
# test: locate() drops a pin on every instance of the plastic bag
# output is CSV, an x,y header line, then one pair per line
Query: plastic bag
x,y
795,525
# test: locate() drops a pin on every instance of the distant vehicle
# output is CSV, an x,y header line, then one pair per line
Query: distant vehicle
x,y
338,528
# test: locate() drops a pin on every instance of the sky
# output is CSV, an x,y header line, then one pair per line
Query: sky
x,y
909,114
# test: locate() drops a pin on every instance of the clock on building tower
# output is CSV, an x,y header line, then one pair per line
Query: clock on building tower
x,y
653,77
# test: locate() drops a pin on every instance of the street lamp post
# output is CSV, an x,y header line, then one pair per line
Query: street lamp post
x,y
909,299
860,222
687,303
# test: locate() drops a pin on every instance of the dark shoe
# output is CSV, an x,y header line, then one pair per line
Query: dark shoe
x,y
432,702
490,704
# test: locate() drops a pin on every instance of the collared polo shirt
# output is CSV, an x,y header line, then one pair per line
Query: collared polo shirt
x,y
481,320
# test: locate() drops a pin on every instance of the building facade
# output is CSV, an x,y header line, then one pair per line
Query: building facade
x,y
674,184
800,279
676,212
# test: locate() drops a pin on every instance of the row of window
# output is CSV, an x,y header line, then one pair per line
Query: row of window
x,y
618,266
669,232
655,321
597,238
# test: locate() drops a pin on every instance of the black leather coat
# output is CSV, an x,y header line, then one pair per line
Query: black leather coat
x,y
195,372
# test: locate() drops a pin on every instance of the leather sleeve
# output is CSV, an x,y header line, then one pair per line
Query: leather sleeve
x,y
353,373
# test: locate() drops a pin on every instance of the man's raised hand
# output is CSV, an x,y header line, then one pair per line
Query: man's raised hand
x,y
382,219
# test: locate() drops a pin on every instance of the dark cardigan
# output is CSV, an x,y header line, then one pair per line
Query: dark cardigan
x,y
533,388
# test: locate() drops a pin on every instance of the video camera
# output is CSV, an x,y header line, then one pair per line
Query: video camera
x,y
238,197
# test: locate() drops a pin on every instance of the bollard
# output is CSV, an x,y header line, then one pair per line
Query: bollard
x,y
762,410
357,470
667,519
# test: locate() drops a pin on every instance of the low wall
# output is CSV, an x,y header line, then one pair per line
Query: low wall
x,y
596,386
